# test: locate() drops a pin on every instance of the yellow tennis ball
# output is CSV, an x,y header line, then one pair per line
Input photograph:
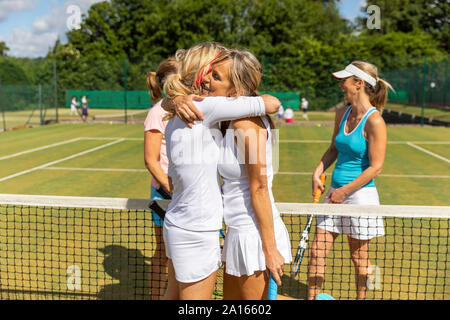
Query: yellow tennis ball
x,y
318,125
110,122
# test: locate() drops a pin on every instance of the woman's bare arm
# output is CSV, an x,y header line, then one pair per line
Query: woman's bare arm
x,y
330,155
152,147
251,131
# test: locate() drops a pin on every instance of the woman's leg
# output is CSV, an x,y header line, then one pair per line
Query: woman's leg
x,y
252,287
321,246
200,290
360,256
158,267
172,291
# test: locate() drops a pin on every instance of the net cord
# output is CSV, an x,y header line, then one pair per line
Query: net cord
x,y
284,208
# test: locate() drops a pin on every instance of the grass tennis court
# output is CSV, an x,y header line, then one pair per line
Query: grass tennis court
x,y
102,160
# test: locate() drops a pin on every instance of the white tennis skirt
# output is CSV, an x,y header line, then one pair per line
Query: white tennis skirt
x,y
361,227
195,254
242,250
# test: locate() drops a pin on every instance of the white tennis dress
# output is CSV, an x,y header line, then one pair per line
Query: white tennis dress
x,y
194,217
242,249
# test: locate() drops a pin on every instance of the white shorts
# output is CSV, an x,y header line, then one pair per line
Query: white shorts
x,y
242,250
195,254
361,227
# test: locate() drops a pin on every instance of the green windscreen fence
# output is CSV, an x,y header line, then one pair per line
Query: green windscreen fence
x,y
291,99
111,99
426,84
141,99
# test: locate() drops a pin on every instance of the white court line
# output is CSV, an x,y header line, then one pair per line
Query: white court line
x,y
60,160
39,148
428,152
281,173
112,138
424,176
96,169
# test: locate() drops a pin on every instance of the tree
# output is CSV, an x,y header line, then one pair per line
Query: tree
x,y
414,15
12,73
3,48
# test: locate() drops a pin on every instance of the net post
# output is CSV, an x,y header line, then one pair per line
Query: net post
x,y
2,105
40,105
125,87
424,90
56,90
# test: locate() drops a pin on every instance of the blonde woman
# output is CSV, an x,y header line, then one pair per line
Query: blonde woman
x,y
194,216
257,239
155,157
359,145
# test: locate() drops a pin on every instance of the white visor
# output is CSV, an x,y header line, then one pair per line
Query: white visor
x,y
352,70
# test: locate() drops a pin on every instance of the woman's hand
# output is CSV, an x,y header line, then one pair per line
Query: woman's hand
x,y
337,196
186,110
316,183
274,264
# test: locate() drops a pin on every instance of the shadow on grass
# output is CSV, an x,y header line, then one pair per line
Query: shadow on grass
x,y
131,268
293,288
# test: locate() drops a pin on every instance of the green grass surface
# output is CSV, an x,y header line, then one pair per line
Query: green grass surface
x,y
38,254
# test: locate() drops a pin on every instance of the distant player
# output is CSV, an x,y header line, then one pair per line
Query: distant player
x,y
359,145
84,108
304,107
280,113
73,106
289,115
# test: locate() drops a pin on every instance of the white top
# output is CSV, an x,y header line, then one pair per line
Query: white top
x,y
238,208
74,102
288,114
193,158
304,103
281,110
83,100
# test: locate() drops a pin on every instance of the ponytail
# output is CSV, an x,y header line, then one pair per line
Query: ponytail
x,y
155,80
153,87
378,95
174,87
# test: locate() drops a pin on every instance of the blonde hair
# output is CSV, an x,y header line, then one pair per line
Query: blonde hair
x,y
193,63
155,80
377,94
245,72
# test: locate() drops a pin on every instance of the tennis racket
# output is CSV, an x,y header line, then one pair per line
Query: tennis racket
x,y
164,193
305,235
324,296
273,288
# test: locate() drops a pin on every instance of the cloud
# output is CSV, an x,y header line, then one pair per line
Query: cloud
x,y
45,30
24,43
10,6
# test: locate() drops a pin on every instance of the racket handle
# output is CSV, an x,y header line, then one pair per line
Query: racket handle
x,y
166,195
318,192
273,288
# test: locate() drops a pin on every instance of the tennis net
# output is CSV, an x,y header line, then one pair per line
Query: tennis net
x,y
102,248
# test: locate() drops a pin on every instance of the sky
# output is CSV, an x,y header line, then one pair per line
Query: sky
x,y
30,27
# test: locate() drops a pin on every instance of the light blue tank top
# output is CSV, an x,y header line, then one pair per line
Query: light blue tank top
x,y
353,152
